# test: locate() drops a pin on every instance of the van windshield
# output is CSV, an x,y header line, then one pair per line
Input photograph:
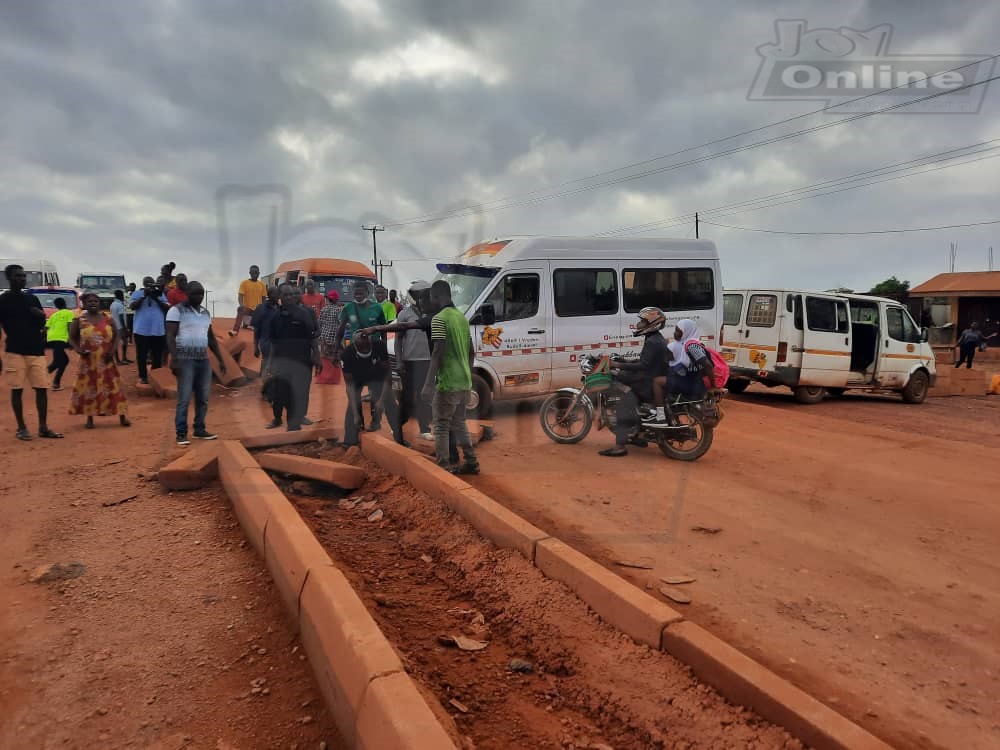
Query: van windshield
x,y
110,283
344,285
466,282
34,279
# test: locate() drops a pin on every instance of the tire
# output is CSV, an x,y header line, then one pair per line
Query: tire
x,y
480,404
560,426
737,386
836,391
809,394
690,450
916,390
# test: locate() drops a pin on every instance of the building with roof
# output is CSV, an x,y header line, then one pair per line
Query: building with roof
x,y
949,302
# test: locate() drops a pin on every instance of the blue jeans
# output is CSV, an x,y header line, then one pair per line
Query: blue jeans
x,y
194,376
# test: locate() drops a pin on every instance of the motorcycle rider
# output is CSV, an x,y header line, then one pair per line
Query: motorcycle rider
x,y
639,376
689,366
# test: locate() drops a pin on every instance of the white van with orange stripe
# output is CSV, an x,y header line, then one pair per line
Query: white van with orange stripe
x,y
817,343
536,303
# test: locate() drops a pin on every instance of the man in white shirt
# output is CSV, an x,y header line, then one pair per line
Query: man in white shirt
x,y
118,314
189,337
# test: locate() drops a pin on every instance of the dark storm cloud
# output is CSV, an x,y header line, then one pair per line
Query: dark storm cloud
x,y
123,119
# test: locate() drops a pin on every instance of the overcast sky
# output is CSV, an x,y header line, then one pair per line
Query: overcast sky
x,y
137,132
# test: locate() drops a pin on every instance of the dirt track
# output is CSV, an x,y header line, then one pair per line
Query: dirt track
x,y
857,554
857,557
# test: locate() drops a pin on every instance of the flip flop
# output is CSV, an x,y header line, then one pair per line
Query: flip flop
x,y
613,452
23,435
52,435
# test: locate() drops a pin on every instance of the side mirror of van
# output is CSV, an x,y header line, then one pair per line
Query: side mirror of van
x,y
485,316
924,335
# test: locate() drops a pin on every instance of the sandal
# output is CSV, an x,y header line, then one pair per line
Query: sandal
x,y
23,434
615,452
466,469
51,434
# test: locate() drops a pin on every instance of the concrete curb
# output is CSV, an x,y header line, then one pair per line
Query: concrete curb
x,y
277,438
372,699
341,475
626,607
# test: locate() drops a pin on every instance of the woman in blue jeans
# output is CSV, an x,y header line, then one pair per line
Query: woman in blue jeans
x,y
189,337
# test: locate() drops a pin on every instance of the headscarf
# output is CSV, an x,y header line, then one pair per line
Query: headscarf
x,y
689,333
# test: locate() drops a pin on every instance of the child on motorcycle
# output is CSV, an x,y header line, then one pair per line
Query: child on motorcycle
x,y
640,376
689,365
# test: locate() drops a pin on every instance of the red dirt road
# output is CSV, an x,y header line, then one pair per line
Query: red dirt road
x,y
858,553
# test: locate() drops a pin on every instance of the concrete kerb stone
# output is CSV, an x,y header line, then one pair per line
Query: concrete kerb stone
x,y
347,651
193,470
276,438
390,456
341,475
394,715
746,682
617,601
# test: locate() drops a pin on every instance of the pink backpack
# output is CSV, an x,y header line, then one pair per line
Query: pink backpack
x,y
719,365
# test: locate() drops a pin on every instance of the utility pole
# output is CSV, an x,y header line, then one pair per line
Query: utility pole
x,y
696,234
378,267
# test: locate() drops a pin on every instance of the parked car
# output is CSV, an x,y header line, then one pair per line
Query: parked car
x,y
48,294
104,284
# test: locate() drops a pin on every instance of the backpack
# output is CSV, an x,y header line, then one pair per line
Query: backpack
x,y
719,365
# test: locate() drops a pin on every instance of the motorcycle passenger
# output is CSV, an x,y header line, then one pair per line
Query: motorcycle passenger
x,y
689,366
640,376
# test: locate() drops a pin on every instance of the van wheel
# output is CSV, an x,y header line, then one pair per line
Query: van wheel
x,y
916,390
480,404
737,386
809,394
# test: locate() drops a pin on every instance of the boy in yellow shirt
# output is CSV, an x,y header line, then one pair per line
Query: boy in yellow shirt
x,y
57,339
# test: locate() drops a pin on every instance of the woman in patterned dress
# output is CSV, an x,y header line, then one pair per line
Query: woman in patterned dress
x,y
98,388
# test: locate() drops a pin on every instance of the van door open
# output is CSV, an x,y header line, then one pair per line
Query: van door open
x,y
826,349
732,327
517,345
900,347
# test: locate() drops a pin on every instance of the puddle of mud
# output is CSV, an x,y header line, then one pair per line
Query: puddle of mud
x,y
423,572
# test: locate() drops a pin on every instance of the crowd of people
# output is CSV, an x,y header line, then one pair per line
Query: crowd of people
x,y
296,333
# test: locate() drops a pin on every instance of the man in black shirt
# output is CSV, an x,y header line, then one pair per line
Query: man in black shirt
x,y
294,337
22,320
365,363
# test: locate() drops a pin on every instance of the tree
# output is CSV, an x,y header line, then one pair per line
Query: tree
x,y
889,287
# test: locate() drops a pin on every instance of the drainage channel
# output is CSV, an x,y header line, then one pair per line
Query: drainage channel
x,y
551,675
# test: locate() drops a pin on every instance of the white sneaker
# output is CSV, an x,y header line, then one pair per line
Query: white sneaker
x,y
426,436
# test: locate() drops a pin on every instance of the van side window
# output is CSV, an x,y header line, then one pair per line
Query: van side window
x,y
585,291
826,315
901,326
762,310
515,297
668,288
797,310
732,309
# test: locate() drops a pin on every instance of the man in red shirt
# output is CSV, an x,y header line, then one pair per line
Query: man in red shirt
x,y
312,299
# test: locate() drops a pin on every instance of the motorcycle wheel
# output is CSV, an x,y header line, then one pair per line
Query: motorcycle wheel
x,y
560,425
689,445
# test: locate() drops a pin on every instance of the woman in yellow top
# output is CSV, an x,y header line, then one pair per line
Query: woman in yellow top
x,y
57,339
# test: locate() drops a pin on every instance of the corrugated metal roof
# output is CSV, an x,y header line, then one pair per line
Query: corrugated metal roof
x,y
970,281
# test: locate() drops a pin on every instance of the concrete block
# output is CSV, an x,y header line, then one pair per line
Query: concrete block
x,y
164,383
394,715
504,528
386,453
227,371
745,682
430,478
275,438
194,469
290,551
344,644
341,475
617,601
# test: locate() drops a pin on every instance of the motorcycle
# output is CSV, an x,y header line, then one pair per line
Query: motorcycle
x,y
568,415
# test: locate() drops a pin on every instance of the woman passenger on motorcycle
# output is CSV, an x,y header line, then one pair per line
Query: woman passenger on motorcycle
x,y
689,366
640,376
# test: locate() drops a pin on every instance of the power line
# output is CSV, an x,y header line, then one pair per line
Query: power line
x,y
686,218
482,207
854,234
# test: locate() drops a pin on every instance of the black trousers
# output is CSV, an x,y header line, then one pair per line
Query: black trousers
x,y
354,419
289,390
149,345
966,353
60,360
410,403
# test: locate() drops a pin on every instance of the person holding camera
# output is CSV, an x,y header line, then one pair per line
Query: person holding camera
x,y
149,326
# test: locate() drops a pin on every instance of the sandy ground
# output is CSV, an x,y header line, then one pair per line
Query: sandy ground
x,y
857,557
858,551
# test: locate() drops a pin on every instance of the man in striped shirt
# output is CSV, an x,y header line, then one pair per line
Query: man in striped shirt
x,y
449,378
